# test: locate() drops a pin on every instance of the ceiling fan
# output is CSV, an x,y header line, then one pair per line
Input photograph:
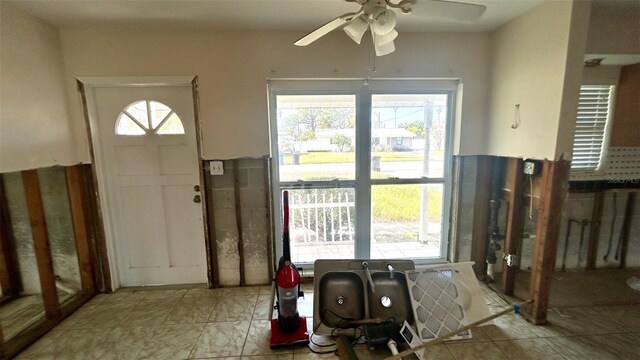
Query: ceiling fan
x,y
379,16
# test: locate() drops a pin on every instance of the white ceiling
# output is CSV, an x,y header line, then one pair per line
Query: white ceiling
x,y
246,14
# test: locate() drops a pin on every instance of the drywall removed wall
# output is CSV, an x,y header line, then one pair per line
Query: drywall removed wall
x,y
253,229
233,66
34,122
533,72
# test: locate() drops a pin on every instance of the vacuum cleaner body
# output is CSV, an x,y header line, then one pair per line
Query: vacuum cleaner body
x,y
289,328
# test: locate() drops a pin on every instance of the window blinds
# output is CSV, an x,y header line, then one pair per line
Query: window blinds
x,y
589,140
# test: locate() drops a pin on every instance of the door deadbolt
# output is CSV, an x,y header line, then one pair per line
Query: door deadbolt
x,y
196,199
196,188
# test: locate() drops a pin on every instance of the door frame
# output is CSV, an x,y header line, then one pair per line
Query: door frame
x,y
86,87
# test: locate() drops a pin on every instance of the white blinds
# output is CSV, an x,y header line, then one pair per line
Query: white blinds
x,y
593,112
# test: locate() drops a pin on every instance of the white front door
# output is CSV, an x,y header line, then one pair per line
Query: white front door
x,y
149,162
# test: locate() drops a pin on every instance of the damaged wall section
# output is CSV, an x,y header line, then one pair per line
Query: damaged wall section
x,y
254,232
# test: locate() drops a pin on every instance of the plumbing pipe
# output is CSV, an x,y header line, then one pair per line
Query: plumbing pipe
x,y
515,308
393,346
566,242
613,223
583,225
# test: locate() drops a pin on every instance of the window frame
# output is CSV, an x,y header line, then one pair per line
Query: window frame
x,y
363,90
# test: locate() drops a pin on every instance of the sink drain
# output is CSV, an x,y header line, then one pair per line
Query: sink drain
x,y
341,301
386,301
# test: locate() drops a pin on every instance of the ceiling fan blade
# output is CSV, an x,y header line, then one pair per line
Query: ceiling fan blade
x,y
324,29
448,9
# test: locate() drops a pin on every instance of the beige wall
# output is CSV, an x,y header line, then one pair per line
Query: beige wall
x,y
34,121
530,55
233,66
614,30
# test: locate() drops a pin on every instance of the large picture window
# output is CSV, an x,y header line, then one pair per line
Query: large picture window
x,y
367,169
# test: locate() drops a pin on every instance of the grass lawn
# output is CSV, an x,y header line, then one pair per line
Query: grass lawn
x,y
402,202
350,157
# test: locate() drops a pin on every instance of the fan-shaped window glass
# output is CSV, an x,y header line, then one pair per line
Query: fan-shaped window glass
x,y
144,116
171,126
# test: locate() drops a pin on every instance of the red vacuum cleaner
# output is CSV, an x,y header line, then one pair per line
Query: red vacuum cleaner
x,y
289,328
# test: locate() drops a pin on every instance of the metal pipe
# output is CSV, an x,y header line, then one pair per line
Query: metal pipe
x,y
566,242
583,225
613,223
365,267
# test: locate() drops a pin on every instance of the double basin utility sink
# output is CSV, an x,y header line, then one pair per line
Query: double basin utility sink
x,y
349,292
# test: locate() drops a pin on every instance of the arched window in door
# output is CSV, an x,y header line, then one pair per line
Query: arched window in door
x,y
148,117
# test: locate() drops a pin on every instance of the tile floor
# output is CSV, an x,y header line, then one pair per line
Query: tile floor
x,y
232,323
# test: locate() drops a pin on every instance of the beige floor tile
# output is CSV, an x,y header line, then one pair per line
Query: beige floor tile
x,y
265,290
125,295
165,294
234,308
192,310
529,349
257,342
75,341
625,346
105,315
263,308
579,348
510,327
172,341
203,292
269,357
41,345
130,337
475,351
221,339
150,312
245,290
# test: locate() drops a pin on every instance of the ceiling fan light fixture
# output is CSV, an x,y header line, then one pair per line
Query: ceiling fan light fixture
x,y
381,48
357,27
386,38
383,20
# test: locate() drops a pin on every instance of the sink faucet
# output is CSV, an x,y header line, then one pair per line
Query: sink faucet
x,y
390,270
365,267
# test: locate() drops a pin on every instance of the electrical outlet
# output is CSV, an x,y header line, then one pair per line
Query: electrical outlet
x,y
216,167
531,167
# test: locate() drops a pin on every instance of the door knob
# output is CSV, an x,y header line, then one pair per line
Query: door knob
x,y
196,199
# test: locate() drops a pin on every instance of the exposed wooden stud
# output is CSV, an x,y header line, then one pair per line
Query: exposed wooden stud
x,y
100,255
76,190
9,271
268,211
41,244
554,182
626,228
594,230
212,251
480,234
236,194
515,220
456,205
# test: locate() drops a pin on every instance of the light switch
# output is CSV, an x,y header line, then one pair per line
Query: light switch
x,y
216,167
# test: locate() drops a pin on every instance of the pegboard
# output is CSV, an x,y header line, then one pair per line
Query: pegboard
x,y
623,163
620,164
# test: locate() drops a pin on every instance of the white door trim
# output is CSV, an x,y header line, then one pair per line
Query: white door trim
x,y
90,84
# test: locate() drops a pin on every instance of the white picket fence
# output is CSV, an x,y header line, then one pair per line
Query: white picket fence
x,y
321,215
